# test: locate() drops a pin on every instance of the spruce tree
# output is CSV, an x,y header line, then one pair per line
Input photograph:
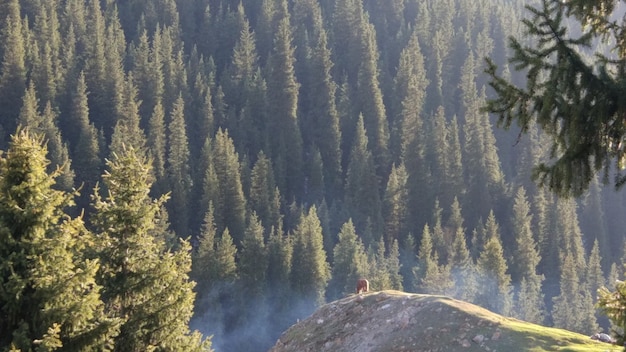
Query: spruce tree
x,y
529,305
86,150
279,297
230,203
349,262
370,98
362,195
395,205
324,116
127,131
13,75
253,259
144,284
495,282
463,268
45,124
50,296
285,138
430,277
565,93
568,309
178,169
157,144
264,198
310,272
409,94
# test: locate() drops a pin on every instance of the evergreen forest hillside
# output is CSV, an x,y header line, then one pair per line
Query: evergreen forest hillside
x,y
286,148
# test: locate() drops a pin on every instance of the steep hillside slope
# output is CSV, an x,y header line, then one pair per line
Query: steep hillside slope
x,y
396,321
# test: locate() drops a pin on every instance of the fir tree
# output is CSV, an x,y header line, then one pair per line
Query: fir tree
x,y
86,150
495,282
349,262
230,204
144,285
395,205
567,312
361,191
127,131
410,92
323,116
157,147
178,169
50,296
253,259
370,99
564,93
529,304
431,277
310,272
13,75
286,140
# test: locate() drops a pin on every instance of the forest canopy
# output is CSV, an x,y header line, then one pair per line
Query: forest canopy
x,y
258,157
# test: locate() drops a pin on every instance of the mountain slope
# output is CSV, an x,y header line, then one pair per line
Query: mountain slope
x,y
395,321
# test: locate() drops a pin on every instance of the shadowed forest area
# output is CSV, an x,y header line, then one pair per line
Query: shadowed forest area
x,y
294,146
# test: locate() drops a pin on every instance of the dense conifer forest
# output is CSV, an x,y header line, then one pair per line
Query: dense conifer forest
x,y
239,163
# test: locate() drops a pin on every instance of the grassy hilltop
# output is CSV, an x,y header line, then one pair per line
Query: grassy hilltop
x,y
393,321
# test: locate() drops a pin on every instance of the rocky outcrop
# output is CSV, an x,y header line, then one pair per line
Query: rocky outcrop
x,y
392,321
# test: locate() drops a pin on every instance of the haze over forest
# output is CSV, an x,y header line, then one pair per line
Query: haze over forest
x,y
307,143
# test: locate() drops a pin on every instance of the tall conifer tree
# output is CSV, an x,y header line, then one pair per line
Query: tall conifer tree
x,y
178,169
50,297
310,272
349,262
286,140
13,65
362,196
144,284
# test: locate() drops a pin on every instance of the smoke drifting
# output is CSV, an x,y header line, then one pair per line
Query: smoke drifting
x,y
240,323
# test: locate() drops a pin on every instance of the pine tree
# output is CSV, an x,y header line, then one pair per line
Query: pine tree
x,y
285,139
379,277
463,268
45,123
495,283
323,115
594,276
370,99
567,312
178,169
431,277
127,131
409,94
310,272
560,103
264,198
86,150
157,144
485,180
253,259
442,241
13,75
393,266
280,254
362,196
395,204
144,284
526,258
349,262
230,204
50,297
